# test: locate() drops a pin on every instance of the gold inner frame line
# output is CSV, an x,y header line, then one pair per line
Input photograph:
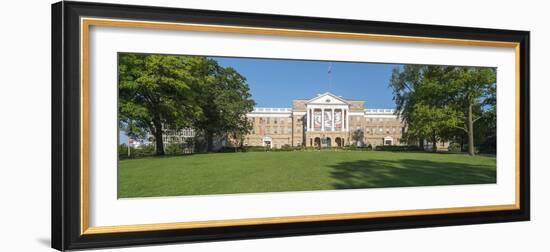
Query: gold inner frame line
x,y
85,24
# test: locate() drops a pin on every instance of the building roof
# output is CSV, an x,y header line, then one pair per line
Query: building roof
x,y
327,94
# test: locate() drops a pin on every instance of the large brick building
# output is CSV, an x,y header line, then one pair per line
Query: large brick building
x,y
325,120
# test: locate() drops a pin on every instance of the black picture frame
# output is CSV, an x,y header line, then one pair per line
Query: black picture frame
x,y
66,155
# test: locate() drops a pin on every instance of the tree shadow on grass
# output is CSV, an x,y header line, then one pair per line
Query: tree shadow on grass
x,y
408,172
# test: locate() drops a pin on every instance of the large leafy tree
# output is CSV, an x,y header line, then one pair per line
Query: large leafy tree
x,y
159,92
155,94
438,102
474,92
225,101
407,84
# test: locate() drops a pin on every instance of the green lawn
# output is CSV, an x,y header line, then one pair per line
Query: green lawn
x,y
223,173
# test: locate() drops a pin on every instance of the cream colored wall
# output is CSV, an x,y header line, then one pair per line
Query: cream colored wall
x,y
280,129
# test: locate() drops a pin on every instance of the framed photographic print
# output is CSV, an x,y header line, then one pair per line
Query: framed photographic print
x,y
180,125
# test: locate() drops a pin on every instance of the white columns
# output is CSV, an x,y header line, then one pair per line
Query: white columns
x,y
308,118
347,115
347,119
332,126
323,119
344,117
344,124
311,119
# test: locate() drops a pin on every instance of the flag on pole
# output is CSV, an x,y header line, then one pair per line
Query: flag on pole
x,y
330,68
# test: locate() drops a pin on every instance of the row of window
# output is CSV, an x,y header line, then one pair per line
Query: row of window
x,y
269,130
375,119
274,120
381,130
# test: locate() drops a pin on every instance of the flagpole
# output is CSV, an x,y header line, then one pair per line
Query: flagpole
x,y
329,76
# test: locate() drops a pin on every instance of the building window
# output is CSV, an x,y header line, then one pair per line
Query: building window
x,y
275,121
268,119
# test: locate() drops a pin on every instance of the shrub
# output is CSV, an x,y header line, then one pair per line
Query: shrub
x,y
173,149
489,146
351,147
123,151
454,147
226,149
141,151
145,150
287,147
255,149
397,148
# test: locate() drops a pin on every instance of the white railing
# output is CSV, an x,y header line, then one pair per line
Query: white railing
x,y
273,110
379,111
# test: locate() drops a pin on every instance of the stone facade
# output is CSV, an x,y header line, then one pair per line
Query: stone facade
x,y
325,120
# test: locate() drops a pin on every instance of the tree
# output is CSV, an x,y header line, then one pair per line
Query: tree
x,y
225,101
357,136
474,89
436,101
405,84
154,92
165,92
429,122
238,133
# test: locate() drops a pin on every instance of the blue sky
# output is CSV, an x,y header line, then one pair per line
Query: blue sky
x,y
275,83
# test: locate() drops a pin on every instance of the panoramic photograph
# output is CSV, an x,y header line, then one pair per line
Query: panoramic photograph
x,y
204,125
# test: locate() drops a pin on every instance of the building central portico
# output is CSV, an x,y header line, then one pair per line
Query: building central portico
x,y
327,121
327,113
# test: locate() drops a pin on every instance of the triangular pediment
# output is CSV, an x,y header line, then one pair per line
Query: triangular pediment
x,y
327,98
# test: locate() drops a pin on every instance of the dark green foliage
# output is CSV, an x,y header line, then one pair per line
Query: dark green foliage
x,y
255,149
442,103
155,91
158,92
454,147
354,147
139,152
174,149
397,148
